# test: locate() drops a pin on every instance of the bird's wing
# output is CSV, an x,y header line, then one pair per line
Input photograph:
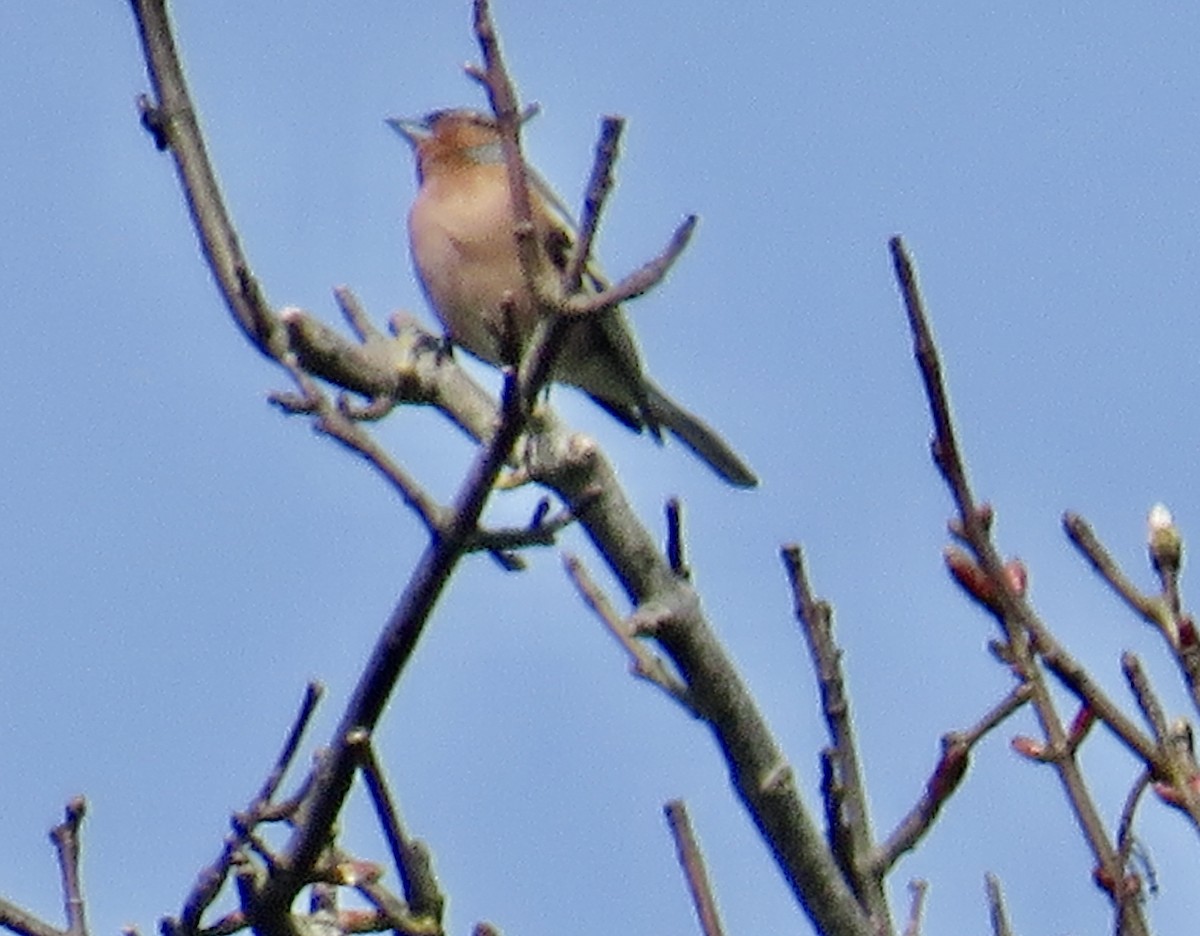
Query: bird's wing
x,y
612,327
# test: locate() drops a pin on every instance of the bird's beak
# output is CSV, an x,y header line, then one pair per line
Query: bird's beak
x,y
413,131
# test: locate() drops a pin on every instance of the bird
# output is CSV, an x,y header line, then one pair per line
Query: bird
x,y
462,238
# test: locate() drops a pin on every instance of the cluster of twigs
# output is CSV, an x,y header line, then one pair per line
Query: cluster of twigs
x,y
837,869
1029,649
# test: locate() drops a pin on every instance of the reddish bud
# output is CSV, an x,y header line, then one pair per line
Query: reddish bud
x,y
357,872
1082,723
1173,796
970,577
1027,747
1187,632
950,771
358,921
1167,793
1131,885
1018,576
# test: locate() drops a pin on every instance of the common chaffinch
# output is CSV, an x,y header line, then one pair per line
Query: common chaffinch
x,y
462,235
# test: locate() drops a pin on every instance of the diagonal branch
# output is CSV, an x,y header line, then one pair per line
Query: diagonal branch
x,y
413,862
1152,611
641,280
172,118
644,663
947,774
24,923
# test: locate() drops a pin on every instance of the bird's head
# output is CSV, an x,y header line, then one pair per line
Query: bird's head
x,y
446,140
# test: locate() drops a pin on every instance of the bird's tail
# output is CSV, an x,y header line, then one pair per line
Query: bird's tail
x,y
697,436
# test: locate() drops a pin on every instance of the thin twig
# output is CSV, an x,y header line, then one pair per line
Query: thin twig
x,y
356,316
849,813
413,865
675,541
999,917
308,707
172,119
643,663
640,281
1071,673
947,774
494,78
334,423
1151,610
1163,612
917,889
692,861
1144,694
1125,837
599,185
540,531
65,837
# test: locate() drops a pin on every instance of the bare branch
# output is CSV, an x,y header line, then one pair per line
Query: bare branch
x,y
599,185
675,543
503,99
413,863
24,923
644,664
640,281
918,890
392,652
1125,837
1151,610
308,706
1164,611
211,879
1143,692
846,799
336,424
65,837
541,530
692,861
948,773
1072,675
1000,926
356,316
171,118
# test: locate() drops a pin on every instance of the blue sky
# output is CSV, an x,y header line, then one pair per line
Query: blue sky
x,y
178,559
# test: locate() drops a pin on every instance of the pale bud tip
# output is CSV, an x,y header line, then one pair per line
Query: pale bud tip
x,y
1159,518
1164,540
